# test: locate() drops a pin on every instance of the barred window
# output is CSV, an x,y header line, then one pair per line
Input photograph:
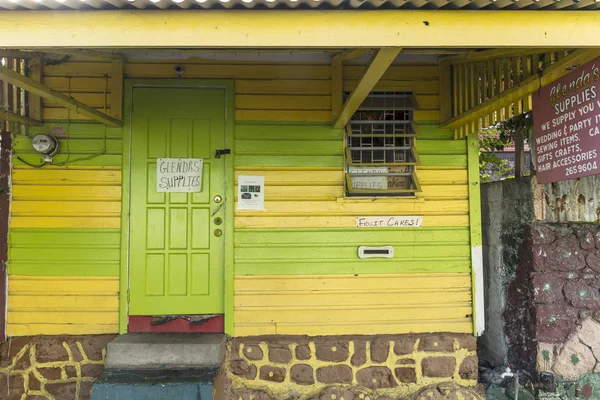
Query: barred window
x,y
380,146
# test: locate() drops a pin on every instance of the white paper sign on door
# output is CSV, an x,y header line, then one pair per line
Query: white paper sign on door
x,y
179,175
251,193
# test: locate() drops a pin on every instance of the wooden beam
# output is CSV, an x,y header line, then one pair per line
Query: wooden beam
x,y
12,117
37,88
353,53
116,89
36,71
101,55
337,86
485,55
445,90
18,54
526,87
285,29
379,63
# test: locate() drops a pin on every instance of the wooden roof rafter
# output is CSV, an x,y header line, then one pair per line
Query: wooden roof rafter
x,y
373,72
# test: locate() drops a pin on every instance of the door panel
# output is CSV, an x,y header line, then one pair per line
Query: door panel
x,y
176,260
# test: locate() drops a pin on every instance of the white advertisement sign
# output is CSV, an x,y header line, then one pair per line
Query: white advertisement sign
x,y
389,222
179,175
251,193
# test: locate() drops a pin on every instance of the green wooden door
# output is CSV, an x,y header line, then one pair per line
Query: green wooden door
x,y
176,256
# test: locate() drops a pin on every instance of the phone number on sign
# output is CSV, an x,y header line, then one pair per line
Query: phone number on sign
x,y
591,166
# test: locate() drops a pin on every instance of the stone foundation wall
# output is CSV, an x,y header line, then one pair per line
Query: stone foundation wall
x,y
362,367
553,309
51,367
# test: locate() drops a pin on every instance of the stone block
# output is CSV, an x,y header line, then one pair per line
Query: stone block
x,y
380,349
333,351
34,382
555,322
23,363
564,255
77,356
574,360
545,356
548,288
94,345
589,334
406,374
580,295
376,378
253,352
302,374
542,234
468,342
71,371
359,358
51,350
334,374
280,353
303,352
593,261
404,344
62,390
405,361
437,342
272,374
85,390
469,368
438,367
242,369
92,370
586,240
50,373
447,391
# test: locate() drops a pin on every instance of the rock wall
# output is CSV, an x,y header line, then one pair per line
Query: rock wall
x,y
553,311
51,367
363,367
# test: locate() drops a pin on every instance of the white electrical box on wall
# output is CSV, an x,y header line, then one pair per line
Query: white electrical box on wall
x,y
376,252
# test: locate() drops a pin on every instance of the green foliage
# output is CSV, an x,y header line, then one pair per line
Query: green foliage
x,y
496,138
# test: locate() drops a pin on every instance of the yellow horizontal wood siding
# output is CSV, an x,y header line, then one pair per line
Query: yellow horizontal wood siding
x,y
52,305
265,91
66,197
341,304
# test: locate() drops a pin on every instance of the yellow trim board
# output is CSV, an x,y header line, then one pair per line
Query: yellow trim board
x,y
311,29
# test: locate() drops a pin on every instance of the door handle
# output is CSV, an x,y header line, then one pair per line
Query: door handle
x,y
222,152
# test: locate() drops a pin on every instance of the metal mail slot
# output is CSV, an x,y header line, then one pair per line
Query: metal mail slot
x,y
376,252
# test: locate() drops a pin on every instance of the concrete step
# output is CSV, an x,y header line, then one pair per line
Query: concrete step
x,y
170,351
195,384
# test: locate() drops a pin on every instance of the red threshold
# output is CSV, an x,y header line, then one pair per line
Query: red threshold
x,y
144,324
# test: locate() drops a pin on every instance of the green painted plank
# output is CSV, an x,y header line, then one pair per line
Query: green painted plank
x,y
289,161
64,269
240,122
271,253
443,160
278,132
290,147
354,237
64,252
81,130
105,160
22,145
433,132
441,147
366,266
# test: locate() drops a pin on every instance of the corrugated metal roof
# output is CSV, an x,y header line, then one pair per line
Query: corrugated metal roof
x,y
302,4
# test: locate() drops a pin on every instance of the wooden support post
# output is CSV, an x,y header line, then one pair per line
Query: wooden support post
x,y
373,72
116,89
5,151
34,87
36,71
445,90
519,155
337,86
